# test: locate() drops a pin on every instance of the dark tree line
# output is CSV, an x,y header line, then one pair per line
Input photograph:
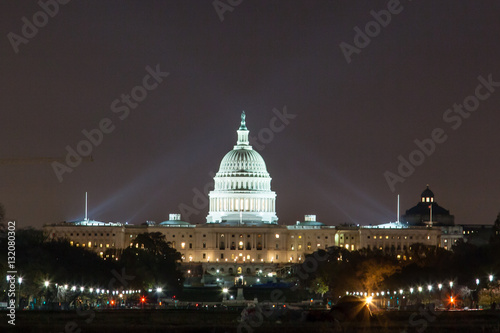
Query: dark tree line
x,y
153,263
373,271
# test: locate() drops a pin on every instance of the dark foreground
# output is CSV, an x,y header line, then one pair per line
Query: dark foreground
x,y
119,321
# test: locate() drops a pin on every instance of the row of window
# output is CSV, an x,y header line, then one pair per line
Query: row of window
x,y
399,237
90,234
89,244
239,256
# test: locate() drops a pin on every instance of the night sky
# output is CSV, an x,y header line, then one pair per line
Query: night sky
x,y
352,119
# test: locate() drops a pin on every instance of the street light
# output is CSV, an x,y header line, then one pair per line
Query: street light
x,y
419,289
411,290
491,277
20,281
451,284
159,289
440,286
429,287
477,282
46,283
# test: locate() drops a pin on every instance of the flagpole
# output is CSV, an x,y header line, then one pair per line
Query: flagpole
x,y
398,209
431,211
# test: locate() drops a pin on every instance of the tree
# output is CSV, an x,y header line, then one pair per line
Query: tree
x,y
153,262
372,272
319,286
495,237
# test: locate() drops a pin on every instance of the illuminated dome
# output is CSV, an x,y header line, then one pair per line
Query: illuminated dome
x,y
243,161
242,187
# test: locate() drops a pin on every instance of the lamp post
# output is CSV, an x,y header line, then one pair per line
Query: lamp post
x,y
18,300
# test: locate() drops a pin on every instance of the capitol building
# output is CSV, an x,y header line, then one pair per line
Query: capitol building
x,y
241,241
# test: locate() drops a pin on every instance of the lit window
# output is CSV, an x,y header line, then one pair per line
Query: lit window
x,y
90,244
300,236
183,245
71,243
107,245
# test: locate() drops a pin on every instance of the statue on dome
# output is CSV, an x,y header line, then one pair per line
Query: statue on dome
x,y
243,122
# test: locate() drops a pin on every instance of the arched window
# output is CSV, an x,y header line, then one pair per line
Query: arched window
x,y
249,247
233,246
240,245
259,246
222,246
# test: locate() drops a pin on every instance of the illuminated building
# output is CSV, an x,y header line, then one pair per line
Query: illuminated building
x,y
242,241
